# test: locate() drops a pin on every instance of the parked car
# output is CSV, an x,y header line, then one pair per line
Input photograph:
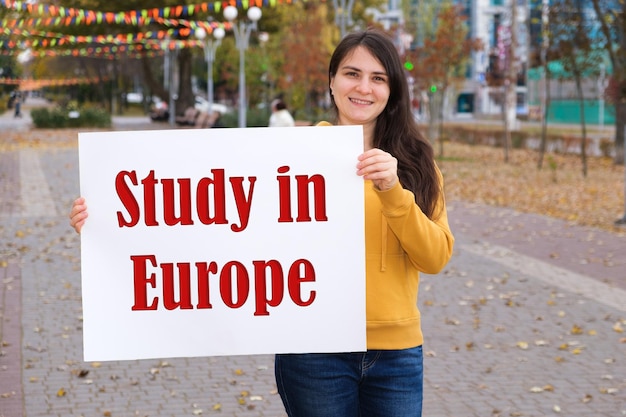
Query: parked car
x,y
134,98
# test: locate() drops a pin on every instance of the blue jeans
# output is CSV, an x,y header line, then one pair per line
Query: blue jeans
x,y
376,383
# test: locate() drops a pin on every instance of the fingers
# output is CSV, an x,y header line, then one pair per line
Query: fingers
x,y
78,214
380,167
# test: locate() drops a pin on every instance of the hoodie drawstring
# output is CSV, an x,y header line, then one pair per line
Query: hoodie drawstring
x,y
383,252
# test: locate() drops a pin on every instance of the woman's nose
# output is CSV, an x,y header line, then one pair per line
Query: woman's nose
x,y
364,86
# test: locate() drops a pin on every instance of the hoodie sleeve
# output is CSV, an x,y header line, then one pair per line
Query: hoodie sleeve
x,y
427,243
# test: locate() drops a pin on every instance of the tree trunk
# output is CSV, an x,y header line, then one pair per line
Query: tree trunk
x,y
153,84
583,124
185,93
510,85
440,135
505,114
544,116
433,117
620,126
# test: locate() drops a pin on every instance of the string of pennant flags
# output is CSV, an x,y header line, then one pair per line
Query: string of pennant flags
x,y
19,34
83,16
31,22
105,52
171,16
139,50
34,84
45,39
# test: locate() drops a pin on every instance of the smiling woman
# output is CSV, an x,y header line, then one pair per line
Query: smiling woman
x,y
406,232
361,89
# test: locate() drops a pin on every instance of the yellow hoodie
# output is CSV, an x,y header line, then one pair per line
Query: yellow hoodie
x,y
400,242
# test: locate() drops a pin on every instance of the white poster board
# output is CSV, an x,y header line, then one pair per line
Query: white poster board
x,y
206,242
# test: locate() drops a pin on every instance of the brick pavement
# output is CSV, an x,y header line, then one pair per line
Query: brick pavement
x,y
524,321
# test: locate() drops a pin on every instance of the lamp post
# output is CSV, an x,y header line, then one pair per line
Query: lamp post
x,y
210,46
343,14
169,77
242,32
266,78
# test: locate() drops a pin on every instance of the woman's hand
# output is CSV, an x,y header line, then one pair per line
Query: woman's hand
x,y
379,167
78,214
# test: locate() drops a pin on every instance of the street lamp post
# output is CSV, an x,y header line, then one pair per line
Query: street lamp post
x,y
242,32
266,77
210,46
343,14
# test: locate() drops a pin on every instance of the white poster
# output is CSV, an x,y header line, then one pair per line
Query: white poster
x,y
205,242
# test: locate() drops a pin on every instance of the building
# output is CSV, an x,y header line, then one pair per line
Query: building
x,y
480,95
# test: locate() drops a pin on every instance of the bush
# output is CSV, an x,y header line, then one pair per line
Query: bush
x,y
59,117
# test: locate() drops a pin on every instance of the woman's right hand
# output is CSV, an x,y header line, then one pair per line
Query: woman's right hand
x,y
78,214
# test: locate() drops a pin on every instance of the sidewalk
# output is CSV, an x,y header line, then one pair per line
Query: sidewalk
x,y
526,320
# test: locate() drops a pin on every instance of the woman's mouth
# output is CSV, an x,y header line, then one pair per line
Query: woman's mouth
x,y
358,101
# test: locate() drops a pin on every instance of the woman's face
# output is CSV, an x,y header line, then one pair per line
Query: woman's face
x,y
360,88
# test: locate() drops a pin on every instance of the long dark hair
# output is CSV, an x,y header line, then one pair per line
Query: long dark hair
x,y
396,131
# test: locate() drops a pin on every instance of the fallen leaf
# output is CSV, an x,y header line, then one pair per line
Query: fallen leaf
x,y
576,330
522,345
609,391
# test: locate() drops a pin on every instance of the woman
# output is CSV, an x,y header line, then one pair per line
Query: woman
x,y
280,115
406,232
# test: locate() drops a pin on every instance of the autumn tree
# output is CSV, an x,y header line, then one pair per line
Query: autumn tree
x,y
8,64
574,48
442,61
611,16
306,46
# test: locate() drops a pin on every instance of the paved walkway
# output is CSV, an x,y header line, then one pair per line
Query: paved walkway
x,y
526,320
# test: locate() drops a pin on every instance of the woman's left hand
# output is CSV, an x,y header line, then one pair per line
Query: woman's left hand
x,y
379,167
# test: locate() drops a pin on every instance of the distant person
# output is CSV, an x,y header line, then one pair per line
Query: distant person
x,y
280,115
18,104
